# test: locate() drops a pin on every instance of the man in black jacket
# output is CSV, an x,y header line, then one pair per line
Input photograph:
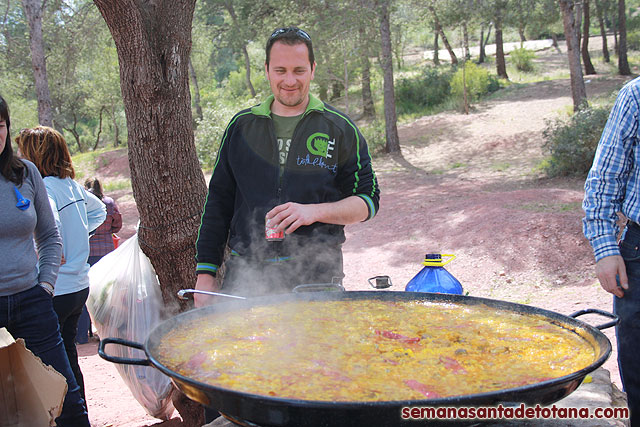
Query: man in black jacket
x,y
295,162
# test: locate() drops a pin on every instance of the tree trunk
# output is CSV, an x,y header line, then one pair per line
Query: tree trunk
x,y
523,38
368,108
196,90
116,128
391,129
323,90
578,90
501,66
603,31
336,90
247,63
465,38
153,41
554,38
615,35
398,52
95,144
436,49
483,44
74,131
33,12
482,55
586,58
454,59
247,70
623,63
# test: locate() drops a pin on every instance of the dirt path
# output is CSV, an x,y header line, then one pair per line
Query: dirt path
x,y
465,185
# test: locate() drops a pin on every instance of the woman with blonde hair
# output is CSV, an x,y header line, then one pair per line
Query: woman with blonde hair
x,y
27,277
77,213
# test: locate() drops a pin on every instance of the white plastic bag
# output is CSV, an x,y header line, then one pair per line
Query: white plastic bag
x,y
125,302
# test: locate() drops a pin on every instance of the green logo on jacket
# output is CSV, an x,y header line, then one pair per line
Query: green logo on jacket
x,y
319,144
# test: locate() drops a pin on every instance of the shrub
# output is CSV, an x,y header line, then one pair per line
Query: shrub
x,y
477,81
633,41
572,143
208,133
429,89
375,134
523,59
494,83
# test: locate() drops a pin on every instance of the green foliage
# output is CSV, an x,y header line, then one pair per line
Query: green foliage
x,y
572,143
375,134
209,131
477,79
633,40
633,23
429,89
523,59
116,185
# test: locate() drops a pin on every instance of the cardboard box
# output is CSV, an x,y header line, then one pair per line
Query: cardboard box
x,y
31,393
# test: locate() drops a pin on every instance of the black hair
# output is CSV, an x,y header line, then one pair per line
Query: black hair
x,y
11,168
290,36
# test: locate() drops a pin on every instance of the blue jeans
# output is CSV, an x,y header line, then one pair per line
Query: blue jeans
x,y
628,331
69,307
29,315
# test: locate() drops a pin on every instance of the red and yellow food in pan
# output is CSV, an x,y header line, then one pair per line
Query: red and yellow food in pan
x,y
371,350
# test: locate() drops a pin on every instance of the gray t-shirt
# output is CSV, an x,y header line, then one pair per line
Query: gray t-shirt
x,y
284,127
22,266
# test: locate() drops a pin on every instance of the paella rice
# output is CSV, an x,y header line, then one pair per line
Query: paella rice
x,y
372,350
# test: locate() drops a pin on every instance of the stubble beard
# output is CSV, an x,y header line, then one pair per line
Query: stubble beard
x,y
290,101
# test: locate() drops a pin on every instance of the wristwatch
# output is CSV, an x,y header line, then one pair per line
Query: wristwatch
x,y
47,287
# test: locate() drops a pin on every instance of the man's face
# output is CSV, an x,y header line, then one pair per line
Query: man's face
x,y
289,74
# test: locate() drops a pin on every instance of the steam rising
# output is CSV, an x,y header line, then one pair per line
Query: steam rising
x,y
303,257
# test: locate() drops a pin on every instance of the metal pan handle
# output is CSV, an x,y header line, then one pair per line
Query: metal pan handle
x,y
614,322
122,360
318,287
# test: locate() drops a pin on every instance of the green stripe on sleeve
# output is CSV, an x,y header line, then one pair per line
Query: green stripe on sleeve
x,y
369,202
203,266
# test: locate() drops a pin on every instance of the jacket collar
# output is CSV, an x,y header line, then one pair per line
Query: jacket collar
x,y
264,108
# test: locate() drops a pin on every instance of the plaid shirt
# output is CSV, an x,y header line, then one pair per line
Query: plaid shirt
x,y
101,242
613,184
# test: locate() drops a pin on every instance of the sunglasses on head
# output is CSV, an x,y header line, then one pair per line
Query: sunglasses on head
x,y
297,31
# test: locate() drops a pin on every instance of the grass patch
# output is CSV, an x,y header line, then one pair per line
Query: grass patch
x,y
116,184
85,164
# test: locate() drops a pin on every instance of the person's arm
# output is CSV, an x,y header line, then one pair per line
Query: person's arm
x,y
205,282
605,189
357,182
46,235
96,211
215,222
609,271
290,216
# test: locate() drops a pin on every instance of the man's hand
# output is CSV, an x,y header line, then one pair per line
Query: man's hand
x,y
290,216
205,282
606,269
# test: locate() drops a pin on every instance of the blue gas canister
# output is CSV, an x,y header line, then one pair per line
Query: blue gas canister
x,y
434,278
